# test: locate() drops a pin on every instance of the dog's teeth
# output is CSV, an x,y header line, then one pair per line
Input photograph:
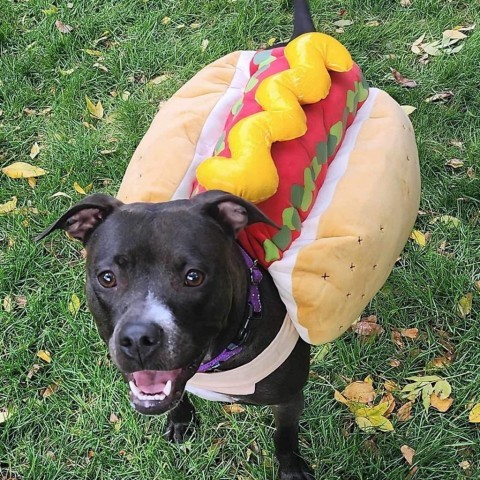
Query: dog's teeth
x,y
134,388
162,396
168,388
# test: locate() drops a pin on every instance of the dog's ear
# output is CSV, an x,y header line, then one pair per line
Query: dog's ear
x,y
82,219
232,212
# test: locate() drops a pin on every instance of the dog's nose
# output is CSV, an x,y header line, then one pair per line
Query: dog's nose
x,y
139,340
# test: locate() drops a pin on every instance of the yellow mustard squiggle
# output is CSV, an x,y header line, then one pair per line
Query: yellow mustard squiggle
x,y
250,172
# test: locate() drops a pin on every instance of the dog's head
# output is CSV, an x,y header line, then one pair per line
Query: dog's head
x,y
160,283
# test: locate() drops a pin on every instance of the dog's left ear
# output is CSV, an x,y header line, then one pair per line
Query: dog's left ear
x,y
84,217
232,212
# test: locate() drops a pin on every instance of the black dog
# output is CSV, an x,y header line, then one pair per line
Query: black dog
x,y
170,290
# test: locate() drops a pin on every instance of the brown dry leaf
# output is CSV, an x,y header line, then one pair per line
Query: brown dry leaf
x,y
397,337
408,453
388,398
113,418
44,355
361,392
390,385
439,362
409,332
464,306
160,79
367,326
34,151
454,163
50,390
23,170
21,301
9,206
404,413
35,368
471,173
63,27
401,80
441,97
439,404
393,362
234,408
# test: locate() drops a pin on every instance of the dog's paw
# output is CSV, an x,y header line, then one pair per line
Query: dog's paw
x,y
178,432
297,470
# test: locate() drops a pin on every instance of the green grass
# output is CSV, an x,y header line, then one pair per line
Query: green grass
x,y
49,438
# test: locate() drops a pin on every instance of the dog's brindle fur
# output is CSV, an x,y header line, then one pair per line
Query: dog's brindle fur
x,y
153,319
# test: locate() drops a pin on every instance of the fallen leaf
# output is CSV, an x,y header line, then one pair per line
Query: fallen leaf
x,y
408,453
4,415
271,41
441,97
23,170
63,27
361,392
405,3
96,111
409,332
195,25
453,35
50,390
447,220
464,306
418,237
393,362
390,385
408,109
125,95
34,151
474,415
82,191
113,418
166,20
388,398
454,163
401,80
397,338
74,304
93,53
372,23
35,368
9,206
439,404
465,29
50,11
233,408
404,413
367,326
343,23
160,79
8,304
44,355
439,362
32,181
204,45
61,194
442,389
100,66
20,300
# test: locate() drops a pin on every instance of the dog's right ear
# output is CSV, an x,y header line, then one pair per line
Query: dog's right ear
x,y
82,219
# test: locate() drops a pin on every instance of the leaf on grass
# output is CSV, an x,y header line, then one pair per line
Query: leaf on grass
x,y
454,163
32,182
388,398
74,304
35,368
93,53
361,392
23,170
100,66
401,80
441,97
50,390
419,238
439,404
343,23
397,338
50,11
165,20
234,408
404,413
464,306
82,191
405,3
204,44
44,355
439,362
34,151
96,111
61,194
9,206
447,220
7,303
393,362
408,109
390,385
409,332
367,326
5,414
408,453
271,41
474,415
63,27
160,79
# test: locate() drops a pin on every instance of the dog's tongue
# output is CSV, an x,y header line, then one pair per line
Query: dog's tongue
x,y
154,381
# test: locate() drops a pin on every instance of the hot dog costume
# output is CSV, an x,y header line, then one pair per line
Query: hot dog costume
x,y
297,131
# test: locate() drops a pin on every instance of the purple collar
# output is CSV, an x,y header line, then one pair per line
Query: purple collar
x,y
254,311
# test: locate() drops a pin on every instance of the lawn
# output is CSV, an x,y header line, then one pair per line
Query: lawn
x,y
70,418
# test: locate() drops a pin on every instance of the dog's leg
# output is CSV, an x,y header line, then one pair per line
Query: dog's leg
x,y
287,416
180,421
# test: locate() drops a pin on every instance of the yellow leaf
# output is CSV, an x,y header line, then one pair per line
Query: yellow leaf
x,y
79,189
443,389
340,398
233,408
32,181
61,194
96,111
74,304
368,379
418,237
365,424
439,404
166,20
94,53
382,423
126,95
34,151
390,386
50,390
8,304
271,41
474,415
50,11
464,306
204,44
23,170
408,109
44,355
4,415
447,220
9,206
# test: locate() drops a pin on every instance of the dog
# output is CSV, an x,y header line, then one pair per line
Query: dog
x,y
170,291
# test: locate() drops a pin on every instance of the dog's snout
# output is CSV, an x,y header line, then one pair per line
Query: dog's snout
x,y
138,340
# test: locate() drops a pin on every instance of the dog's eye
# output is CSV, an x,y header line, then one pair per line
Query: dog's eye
x,y
107,279
194,278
